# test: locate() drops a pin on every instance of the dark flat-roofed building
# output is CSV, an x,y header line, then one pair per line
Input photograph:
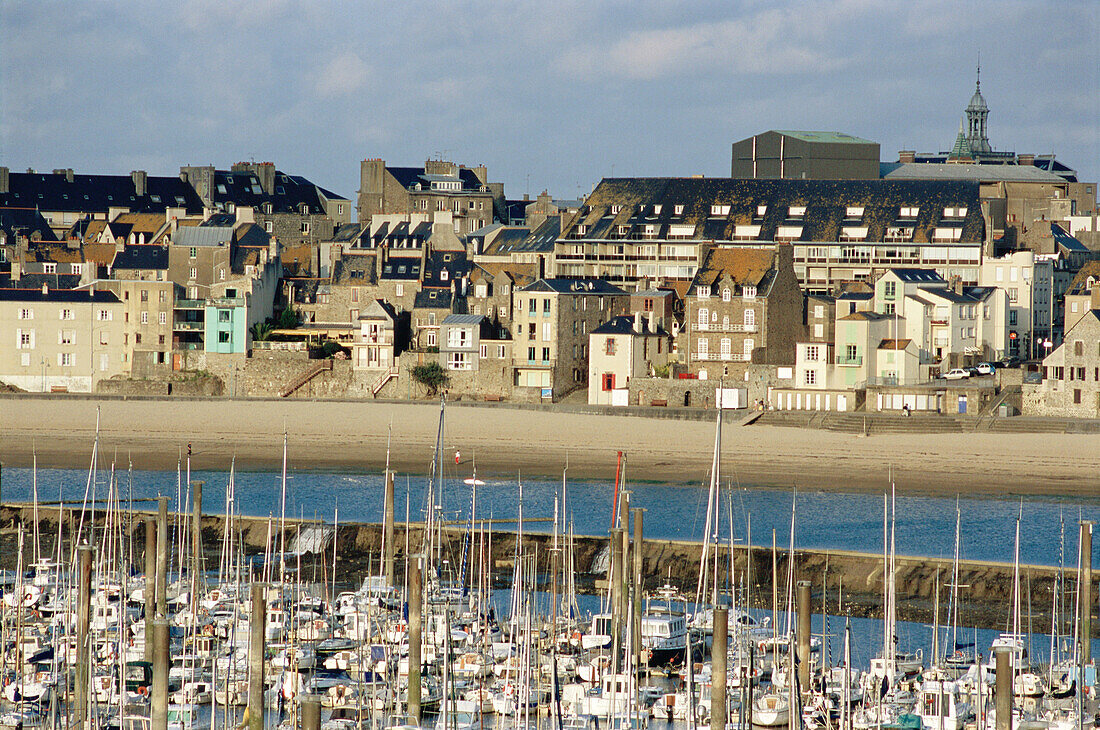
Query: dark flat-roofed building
x,y
805,155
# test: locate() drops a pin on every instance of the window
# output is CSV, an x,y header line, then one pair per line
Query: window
x,y
500,351
608,381
65,359
704,292
704,317
725,294
1078,348
223,337
399,290
530,354
546,331
223,315
194,252
609,348
889,308
1011,293
1077,396
532,306
145,318
703,347
458,337
221,274
104,315
748,292
546,354
812,352
819,311
889,289
819,330
750,319
162,318
160,339
305,226
532,330
26,314
65,337
144,295
49,268
137,338
103,337
193,273
811,377
483,351
163,296
725,347
546,306
269,226
503,312
850,353
458,361
430,338
24,339
67,314
749,346
719,210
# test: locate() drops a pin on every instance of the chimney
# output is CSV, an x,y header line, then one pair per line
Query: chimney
x,y
638,322
183,176
1026,159
957,284
91,290
45,290
652,323
336,253
69,174
140,179
907,156
5,180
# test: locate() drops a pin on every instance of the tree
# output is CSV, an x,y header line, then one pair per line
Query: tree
x,y
431,375
288,319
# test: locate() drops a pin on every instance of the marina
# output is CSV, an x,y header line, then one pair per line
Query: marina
x,y
134,599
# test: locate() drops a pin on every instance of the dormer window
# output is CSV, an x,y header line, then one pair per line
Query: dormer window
x,y
657,209
748,291
615,209
797,211
954,212
908,212
678,209
853,211
726,296
761,210
719,210
443,275
704,292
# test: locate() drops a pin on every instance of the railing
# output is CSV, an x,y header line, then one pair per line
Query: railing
x,y
273,345
854,360
307,376
726,327
722,356
382,379
190,303
189,326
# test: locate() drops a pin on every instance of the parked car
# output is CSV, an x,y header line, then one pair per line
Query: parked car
x,y
986,368
956,374
1010,361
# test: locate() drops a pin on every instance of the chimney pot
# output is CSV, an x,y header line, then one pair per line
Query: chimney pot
x,y
45,289
637,321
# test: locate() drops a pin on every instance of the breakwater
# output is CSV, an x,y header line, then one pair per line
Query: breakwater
x,y
846,582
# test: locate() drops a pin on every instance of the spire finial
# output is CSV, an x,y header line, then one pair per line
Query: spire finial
x,y
978,84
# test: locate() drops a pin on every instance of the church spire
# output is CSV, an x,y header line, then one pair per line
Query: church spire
x,y
976,115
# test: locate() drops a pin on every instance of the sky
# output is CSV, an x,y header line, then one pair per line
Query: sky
x,y
548,96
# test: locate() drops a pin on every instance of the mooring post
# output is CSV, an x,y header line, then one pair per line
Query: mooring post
x,y
159,698
196,543
83,650
150,583
311,712
162,557
1003,688
720,629
415,634
1085,593
636,594
257,626
387,531
617,583
804,635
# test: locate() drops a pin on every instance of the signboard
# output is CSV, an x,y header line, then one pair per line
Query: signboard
x,y
547,393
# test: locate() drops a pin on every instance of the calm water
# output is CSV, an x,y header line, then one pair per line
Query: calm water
x,y
925,525
824,520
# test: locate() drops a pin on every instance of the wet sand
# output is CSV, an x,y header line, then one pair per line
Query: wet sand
x,y
505,441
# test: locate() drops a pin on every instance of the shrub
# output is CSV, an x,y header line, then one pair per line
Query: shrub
x,y
431,375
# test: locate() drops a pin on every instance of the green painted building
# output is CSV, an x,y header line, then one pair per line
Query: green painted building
x,y
226,329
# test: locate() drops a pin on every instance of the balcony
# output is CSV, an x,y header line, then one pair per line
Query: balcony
x,y
228,301
190,304
854,361
189,326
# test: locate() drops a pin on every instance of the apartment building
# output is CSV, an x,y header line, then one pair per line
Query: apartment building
x,y
552,320
626,347
61,339
1029,281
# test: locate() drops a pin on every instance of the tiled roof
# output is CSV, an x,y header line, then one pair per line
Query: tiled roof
x,y
25,222
1079,285
744,265
894,344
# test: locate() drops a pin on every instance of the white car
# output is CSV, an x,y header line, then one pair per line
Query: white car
x,y
986,368
956,374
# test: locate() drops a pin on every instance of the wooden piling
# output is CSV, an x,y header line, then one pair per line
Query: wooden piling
x,y
720,633
257,625
415,637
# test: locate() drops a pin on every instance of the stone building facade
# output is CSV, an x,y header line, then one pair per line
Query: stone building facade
x,y
1071,375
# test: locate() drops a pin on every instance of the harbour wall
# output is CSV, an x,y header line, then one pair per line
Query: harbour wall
x,y
849,583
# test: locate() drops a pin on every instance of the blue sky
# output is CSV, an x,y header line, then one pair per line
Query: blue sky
x,y
547,95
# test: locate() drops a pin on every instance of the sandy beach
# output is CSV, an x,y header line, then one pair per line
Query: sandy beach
x,y
504,441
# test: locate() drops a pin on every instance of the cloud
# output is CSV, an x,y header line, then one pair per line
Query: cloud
x,y
344,74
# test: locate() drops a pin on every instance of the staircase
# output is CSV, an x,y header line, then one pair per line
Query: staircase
x,y
384,378
313,372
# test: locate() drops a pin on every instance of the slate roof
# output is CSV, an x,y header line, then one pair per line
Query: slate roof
x,y
898,171
454,263
867,316
99,296
35,281
354,270
25,222
574,286
1066,241
439,298
203,236
53,192
147,256
653,201
410,176
463,319
401,269
920,276
242,187
624,325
